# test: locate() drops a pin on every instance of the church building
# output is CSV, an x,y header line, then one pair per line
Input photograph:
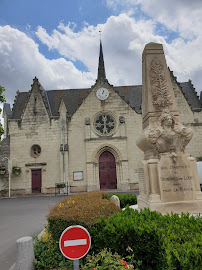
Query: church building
x,y
85,138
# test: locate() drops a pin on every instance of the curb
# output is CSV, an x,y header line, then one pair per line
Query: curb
x,y
37,196
12,267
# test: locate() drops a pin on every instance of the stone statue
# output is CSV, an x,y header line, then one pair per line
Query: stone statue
x,y
168,136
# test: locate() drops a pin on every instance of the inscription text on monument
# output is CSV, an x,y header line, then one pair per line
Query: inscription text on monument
x,y
175,180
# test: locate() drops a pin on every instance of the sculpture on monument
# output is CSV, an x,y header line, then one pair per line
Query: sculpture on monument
x,y
168,136
171,180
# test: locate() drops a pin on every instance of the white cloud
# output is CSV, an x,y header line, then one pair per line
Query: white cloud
x,y
21,61
82,46
183,16
123,37
123,40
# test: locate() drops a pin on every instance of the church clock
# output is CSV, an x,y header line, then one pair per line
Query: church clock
x,y
102,93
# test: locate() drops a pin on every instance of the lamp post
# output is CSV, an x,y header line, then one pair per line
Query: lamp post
x,y
9,173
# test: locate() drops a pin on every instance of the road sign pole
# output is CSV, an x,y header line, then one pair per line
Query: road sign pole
x,y
76,264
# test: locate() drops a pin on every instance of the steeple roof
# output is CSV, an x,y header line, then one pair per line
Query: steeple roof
x,y
101,66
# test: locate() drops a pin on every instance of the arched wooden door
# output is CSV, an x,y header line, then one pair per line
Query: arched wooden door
x,y
107,171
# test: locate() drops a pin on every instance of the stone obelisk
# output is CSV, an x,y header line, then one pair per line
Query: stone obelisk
x,y
171,181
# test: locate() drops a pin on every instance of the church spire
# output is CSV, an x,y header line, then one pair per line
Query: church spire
x,y
101,66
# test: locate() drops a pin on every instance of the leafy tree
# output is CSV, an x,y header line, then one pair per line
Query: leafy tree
x,y
2,100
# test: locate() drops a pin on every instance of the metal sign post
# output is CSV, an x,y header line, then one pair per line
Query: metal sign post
x,y
76,265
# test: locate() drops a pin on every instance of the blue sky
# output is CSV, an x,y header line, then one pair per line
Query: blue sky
x,y
58,41
26,15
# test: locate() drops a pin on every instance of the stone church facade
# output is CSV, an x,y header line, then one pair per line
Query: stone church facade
x,y
85,138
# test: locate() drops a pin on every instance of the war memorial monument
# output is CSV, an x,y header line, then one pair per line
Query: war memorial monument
x,y
171,182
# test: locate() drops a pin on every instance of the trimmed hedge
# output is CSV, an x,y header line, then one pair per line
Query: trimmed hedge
x,y
126,199
81,209
160,242
129,230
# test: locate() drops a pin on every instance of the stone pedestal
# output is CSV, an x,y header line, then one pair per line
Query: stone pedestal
x,y
171,187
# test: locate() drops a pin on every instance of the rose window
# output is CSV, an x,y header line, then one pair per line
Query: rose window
x,y
35,150
104,124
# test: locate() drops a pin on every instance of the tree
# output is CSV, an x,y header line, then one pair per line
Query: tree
x,y
2,100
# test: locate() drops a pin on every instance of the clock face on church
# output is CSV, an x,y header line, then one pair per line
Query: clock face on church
x,y
102,93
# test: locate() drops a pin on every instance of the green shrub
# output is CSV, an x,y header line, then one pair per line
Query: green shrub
x,y
129,229
49,256
81,209
181,241
60,185
160,242
126,199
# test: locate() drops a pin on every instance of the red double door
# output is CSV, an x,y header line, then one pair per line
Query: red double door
x,y
107,171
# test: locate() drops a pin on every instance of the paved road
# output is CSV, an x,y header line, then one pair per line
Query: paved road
x,y
21,217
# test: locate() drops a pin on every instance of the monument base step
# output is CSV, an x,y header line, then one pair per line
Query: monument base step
x,y
192,207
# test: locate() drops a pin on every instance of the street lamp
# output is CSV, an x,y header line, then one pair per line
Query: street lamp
x,y
9,173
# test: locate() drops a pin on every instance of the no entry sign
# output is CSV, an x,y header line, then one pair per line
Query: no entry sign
x,y
75,242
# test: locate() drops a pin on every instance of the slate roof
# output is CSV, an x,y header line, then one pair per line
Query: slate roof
x,y
191,96
132,95
19,104
73,98
101,66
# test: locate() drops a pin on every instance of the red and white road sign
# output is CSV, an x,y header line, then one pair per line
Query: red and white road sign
x,y
75,242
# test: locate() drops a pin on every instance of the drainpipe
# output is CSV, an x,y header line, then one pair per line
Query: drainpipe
x,y
63,149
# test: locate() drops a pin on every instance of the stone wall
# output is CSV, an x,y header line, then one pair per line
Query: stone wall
x,y
36,128
85,145
190,119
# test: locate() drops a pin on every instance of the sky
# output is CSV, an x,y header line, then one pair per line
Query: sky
x,y
58,41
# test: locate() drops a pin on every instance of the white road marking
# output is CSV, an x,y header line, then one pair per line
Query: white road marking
x,y
77,242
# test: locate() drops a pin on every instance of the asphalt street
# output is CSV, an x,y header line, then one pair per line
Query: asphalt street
x,y
19,217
